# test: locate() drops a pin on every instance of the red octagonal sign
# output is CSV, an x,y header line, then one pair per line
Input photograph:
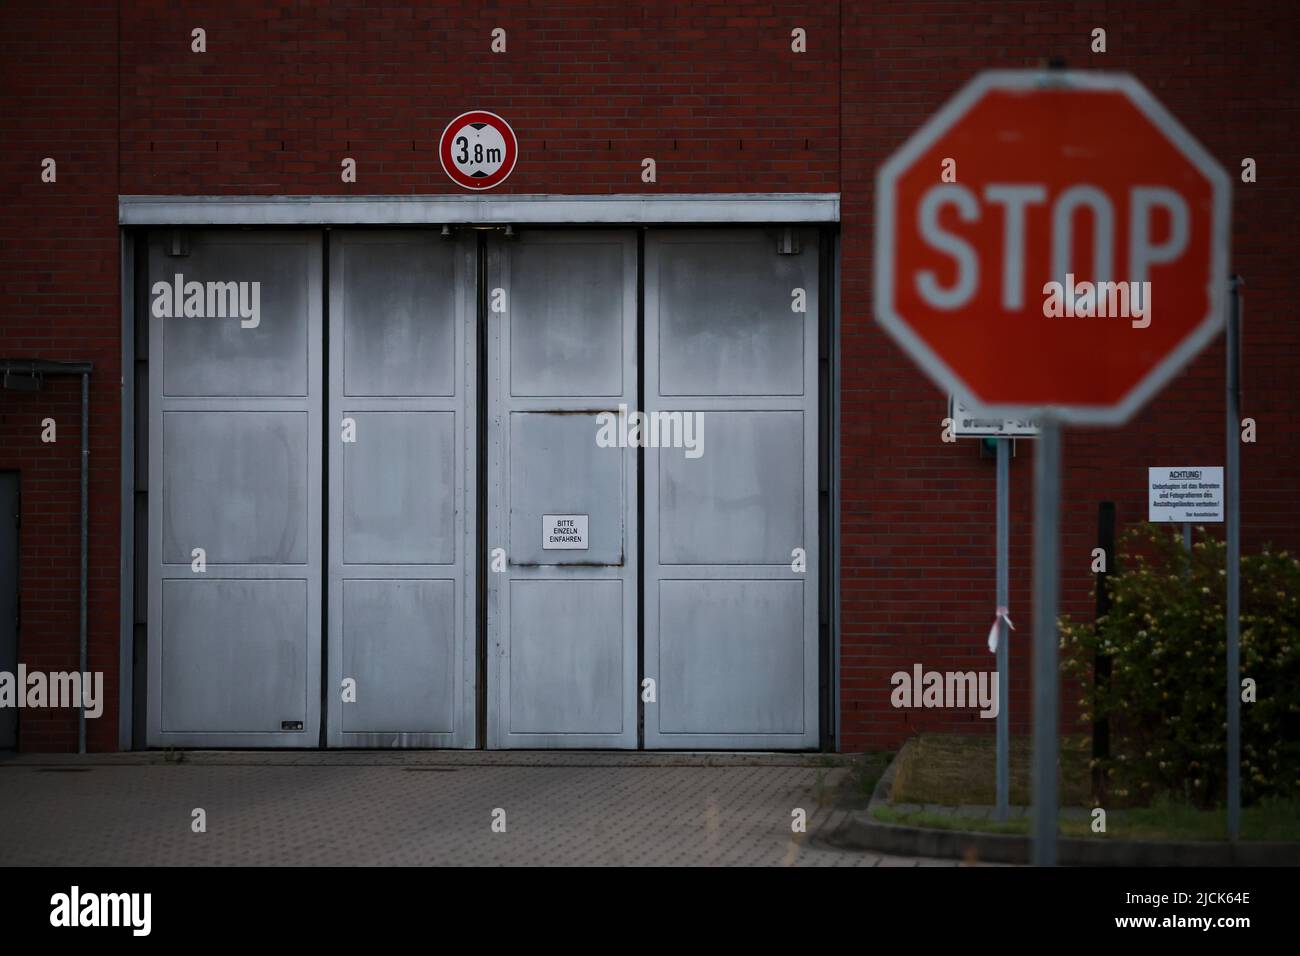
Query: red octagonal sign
x,y
1052,243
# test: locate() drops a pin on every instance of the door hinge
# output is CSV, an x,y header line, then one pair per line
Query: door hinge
x,y
788,244
178,244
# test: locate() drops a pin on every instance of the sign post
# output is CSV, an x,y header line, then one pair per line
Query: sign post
x,y
969,422
1000,622
1047,514
1233,583
1051,244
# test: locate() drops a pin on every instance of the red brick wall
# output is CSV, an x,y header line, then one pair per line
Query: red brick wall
x,y
59,300
714,94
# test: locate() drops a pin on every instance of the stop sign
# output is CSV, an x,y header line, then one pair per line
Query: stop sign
x,y
1052,243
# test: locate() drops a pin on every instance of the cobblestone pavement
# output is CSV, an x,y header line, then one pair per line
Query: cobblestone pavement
x,y
354,809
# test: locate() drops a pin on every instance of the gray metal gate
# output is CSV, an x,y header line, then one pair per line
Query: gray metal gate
x,y
402,537
731,627
234,503
236,466
562,591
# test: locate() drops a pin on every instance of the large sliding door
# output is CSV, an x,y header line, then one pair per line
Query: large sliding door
x,y
562,588
731,549
234,489
402,542
314,541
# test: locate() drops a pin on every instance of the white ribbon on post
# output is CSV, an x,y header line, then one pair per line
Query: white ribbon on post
x,y
999,615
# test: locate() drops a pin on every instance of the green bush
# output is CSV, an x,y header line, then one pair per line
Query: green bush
x,y
1166,700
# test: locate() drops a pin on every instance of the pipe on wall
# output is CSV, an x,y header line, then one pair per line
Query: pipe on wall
x,y
35,367
83,596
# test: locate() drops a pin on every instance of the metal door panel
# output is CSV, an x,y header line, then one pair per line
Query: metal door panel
x,y
581,355
706,627
566,651
233,655
557,468
742,501
399,481
397,304
403,546
562,624
234,438
399,644
204,357
731,629
235,484
712,341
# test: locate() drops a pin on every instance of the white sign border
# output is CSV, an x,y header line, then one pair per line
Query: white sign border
x,y
1162,119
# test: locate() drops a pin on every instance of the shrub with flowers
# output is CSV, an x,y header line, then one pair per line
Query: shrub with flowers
x,y
1166,697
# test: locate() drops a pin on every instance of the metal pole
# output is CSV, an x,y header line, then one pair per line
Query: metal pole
x,y
1101,662
1047,510
1187,536
1232,477
1003,656
85,521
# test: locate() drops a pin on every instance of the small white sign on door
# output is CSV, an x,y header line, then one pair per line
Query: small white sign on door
x,y
564,532
1185,494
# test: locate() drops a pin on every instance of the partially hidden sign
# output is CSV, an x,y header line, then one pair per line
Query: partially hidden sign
x,y
564,533
970,422
478,150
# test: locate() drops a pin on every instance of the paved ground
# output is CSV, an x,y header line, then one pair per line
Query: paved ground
x,y
420,808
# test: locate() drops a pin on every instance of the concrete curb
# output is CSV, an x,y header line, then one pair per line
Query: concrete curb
x,y
424,758
860,831
880,794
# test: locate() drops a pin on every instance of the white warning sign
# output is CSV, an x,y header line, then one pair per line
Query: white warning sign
x,y
1185,494
564,532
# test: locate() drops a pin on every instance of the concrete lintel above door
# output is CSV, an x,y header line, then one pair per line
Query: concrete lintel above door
x,y
629,209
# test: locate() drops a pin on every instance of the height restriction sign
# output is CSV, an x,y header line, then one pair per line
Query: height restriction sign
x,y
478,150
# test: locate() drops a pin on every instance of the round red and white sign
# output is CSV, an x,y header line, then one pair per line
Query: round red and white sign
x,y
478,150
